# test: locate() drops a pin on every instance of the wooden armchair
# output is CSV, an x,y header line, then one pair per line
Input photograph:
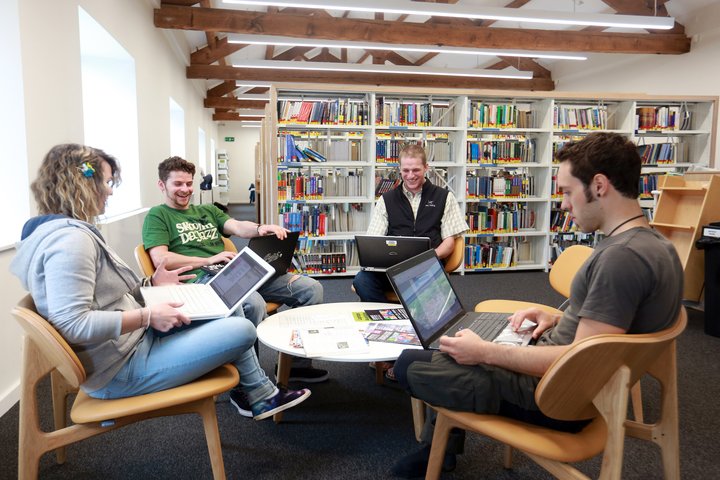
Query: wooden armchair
x,y
147,267
591,380
46,352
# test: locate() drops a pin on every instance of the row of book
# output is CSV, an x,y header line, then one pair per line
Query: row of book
x,y
384,184
342,111
509,150
500,218
295,149
404,113
493,115
320,263
582,118
320,220
504,184
388,150
647,183
663,153
320,185
667,117
562,221
565,240
497,253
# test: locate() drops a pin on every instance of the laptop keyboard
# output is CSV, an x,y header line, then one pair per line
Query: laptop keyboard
x,y
195,301
489,325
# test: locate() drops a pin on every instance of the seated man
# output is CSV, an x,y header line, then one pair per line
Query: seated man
x,y
632,283
184,234
416,208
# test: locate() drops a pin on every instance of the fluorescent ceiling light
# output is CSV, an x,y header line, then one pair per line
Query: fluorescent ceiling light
x,y
402,69
403,7
305,42
253,84
251,96
248,112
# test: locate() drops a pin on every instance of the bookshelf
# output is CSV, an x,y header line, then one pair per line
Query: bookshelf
x,y
222,182
332,152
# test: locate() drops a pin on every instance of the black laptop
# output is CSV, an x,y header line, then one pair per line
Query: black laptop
x,y
434,309
377,253
278,253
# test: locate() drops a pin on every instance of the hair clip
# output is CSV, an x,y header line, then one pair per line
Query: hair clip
x,y
87,169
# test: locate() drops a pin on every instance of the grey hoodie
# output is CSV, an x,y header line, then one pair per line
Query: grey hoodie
x,y
81,286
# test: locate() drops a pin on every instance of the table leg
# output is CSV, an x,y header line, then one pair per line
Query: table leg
x,y
283,374
379,373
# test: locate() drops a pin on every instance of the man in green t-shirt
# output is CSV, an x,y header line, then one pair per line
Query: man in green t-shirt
x,y
185,234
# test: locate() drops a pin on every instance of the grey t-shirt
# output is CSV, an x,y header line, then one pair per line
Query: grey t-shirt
x,y
633,280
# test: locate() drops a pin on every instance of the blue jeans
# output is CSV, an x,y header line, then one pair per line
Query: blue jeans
x,y
165,362
283,289
371,286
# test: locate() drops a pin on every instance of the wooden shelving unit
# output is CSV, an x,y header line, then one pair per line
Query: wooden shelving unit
x,y
687,203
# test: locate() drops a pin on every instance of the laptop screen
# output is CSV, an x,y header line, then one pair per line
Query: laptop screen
x,y
424,288
237,278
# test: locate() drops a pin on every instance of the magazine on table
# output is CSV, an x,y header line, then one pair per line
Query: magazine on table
x,y
324,341
401,333
380,315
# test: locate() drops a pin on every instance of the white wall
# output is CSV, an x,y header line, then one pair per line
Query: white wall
x,y
694,73
242,157
53,108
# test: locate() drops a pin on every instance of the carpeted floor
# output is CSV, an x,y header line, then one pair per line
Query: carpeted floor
x,y
353,429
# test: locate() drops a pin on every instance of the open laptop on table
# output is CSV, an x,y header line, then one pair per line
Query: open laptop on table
x,y
276,252
244,274
377,253
434,309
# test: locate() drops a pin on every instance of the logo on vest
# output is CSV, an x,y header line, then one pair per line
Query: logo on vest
x,y
430,203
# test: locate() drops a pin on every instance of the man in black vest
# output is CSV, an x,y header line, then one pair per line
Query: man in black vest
x,y
416,208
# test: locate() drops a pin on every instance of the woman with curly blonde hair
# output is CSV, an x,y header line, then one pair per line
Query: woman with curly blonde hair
x,y
91,296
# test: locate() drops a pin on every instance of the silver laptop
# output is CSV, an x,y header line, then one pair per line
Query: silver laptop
x,y
435,310
377,253
244,274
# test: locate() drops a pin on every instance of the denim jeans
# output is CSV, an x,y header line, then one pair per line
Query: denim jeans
x,y
371,286
165,362
296,293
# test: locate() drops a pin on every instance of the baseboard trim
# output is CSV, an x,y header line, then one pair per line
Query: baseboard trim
x,y
11,397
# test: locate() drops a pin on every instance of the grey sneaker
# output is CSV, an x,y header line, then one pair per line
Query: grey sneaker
x,y
239,400
283,400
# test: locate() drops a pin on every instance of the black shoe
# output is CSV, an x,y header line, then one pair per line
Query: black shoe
x,y
415,465
239,400
307,374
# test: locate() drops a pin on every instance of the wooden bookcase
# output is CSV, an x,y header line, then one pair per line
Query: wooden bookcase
x,y
359,144
686,204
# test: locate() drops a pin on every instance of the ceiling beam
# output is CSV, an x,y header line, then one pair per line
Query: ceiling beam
x,y
208,55
224,88
299,26
233,116
363,78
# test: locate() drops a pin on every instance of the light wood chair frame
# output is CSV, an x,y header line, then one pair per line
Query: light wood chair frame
x,y
592,379
46,352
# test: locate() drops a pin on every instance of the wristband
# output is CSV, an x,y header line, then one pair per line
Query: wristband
x,y
258,228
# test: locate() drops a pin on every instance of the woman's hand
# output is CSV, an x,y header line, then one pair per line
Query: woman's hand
x,y
165,316
162,276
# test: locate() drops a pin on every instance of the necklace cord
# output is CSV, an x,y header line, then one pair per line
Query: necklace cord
x,y
623,223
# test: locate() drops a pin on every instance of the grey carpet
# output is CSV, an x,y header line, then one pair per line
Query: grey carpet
x,y
353,429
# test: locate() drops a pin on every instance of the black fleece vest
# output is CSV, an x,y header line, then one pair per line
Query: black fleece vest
x,y
429,215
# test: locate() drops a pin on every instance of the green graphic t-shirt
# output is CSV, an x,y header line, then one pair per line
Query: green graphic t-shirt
x,y
196,232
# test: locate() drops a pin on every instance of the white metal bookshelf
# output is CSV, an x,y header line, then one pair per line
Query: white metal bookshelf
x,y
537,131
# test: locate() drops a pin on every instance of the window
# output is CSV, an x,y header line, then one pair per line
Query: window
x,y
177,130
202,157
14,191
110,108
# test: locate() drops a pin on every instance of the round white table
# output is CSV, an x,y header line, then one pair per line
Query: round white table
x,y
276,332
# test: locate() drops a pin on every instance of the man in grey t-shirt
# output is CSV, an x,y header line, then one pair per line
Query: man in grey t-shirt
x,y
632,283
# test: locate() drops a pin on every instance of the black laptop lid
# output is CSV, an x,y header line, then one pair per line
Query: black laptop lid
x,y
423,287
276,252
383,251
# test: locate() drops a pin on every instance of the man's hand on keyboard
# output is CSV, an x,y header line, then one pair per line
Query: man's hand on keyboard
x,y
466,347
166,316
541,318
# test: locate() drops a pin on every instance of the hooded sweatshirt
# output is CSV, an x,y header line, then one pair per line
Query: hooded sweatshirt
x,y
81,287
